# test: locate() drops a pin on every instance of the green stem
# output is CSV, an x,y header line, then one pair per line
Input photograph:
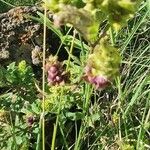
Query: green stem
x,y
62,41
43,81
112,36
85,111
71,50
54,134
38,143
7,3
57,121
143,123
13,131
64,139
78,142
87,99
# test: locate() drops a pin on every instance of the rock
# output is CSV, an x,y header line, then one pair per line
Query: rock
x,y
19,34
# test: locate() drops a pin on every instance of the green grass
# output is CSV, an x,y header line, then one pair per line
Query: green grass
x,y
122,112
5,5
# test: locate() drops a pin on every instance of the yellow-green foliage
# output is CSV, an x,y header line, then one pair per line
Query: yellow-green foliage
x,y
104,60
119,11
81,19
6,4
22,66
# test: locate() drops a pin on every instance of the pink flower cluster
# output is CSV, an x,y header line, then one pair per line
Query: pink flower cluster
x,y
56,74
99,81
30,120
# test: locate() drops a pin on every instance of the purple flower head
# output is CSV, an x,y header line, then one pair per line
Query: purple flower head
x,y
52,75
53,68
30,120
56,74
99,81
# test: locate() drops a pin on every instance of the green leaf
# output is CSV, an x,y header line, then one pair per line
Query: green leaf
x,y
74,116
50,25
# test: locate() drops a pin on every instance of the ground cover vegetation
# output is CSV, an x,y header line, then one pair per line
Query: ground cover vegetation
x,y
93,91
5,5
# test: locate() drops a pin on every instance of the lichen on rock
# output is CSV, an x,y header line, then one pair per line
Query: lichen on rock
x,y
18,34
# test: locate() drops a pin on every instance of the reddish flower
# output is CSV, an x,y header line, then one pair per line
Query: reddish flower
x,y
56,74
98,81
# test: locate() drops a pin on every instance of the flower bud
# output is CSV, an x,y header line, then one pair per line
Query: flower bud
x,y
102,65
119,11
56,74
30,120
22,66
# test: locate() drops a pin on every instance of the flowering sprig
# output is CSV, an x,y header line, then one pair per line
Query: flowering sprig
x,y
102,65
117,12
56,75
81,19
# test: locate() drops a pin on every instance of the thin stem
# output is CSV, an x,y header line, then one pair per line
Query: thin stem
x,y
71,49
62,41
63,136
43,81
38,146
13,131
56,124
87,100
82,50
7,3
54,134
112,36
143,123
85,111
